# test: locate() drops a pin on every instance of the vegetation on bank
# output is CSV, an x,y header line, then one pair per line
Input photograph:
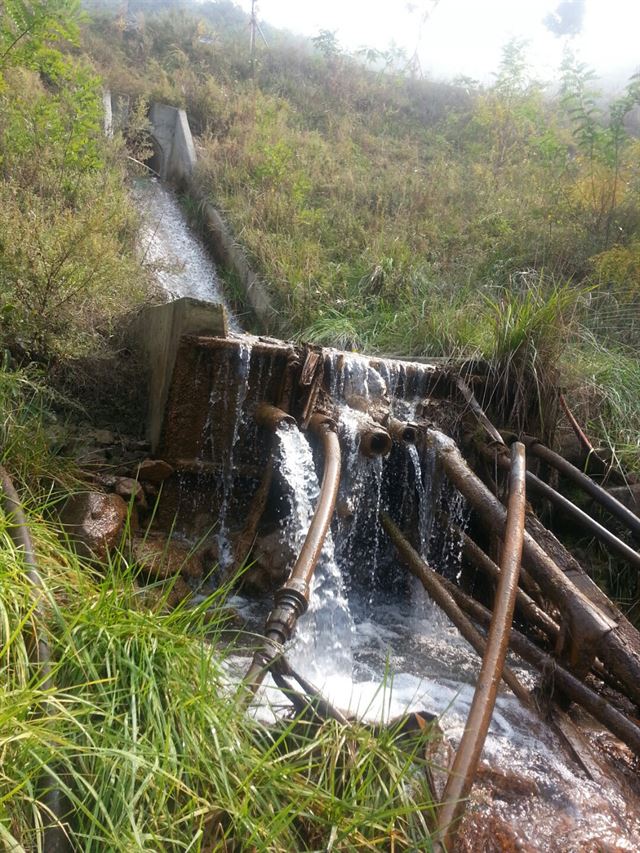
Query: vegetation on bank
x,y
68,266
142,737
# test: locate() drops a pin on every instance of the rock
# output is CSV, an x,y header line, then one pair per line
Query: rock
x,y
180,590
129,488
164,558
94,522
271,560
154,471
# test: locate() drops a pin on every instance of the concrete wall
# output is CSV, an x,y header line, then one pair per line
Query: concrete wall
x,y
158,333
175,162
170,129
230,254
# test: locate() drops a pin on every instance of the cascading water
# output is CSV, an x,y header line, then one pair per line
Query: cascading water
x,y
243,366
405,654
324,634
182,264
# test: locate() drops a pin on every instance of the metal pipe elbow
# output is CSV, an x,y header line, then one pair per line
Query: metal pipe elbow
x,y
271,417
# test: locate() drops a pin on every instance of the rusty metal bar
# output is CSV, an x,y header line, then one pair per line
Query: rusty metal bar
x,y
524,603
579,432
468,753
624,551
292,599
602,496
565,682
443,598
470,398
596,624
594,527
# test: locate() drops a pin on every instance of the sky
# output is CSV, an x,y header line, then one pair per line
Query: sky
x,y
465,37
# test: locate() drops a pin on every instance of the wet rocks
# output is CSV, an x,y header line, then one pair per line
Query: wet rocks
x,y
161,558
131,490
94,522
270,563
154,471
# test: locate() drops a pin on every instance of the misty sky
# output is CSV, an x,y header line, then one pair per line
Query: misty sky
x,y
466,36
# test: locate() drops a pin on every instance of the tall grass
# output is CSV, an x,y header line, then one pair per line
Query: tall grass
x,y
143,736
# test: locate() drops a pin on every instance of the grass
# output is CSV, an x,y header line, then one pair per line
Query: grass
x,y
143,736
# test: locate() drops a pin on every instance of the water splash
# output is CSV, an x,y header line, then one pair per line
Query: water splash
x,y
323,637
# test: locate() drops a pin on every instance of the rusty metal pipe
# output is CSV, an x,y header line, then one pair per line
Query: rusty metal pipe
x,y
524,603
402,431
587,614
624,551
584,519
564,681
374,440
292,599
468,754
602,496
442,596
271,417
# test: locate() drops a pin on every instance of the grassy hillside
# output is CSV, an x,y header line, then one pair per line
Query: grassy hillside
x,y
409,216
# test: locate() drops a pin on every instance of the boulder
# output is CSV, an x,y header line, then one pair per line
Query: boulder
x,y
94,522
270,563
154,471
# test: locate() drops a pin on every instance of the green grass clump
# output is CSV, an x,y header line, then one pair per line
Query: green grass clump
x,y
144,737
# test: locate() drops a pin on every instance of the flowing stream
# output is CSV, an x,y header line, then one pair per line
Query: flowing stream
x,y
180,260
372,640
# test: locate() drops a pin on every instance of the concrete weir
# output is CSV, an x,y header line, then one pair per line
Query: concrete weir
x,y
205,386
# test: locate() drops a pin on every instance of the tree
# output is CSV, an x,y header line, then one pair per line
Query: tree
x,y
28,26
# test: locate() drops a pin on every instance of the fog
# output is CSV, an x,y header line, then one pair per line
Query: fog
x,y
465,37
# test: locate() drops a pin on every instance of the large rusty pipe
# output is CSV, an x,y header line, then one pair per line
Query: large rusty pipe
x,y
600,495
465,764
292,599
597,623
402,431
270,416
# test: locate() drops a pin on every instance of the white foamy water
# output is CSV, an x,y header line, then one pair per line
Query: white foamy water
x,y
183,265
324,633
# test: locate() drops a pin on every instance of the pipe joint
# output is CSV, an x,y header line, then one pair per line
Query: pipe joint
x,y
291,603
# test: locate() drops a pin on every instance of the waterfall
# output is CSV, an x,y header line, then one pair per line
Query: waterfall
x,y
324,633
